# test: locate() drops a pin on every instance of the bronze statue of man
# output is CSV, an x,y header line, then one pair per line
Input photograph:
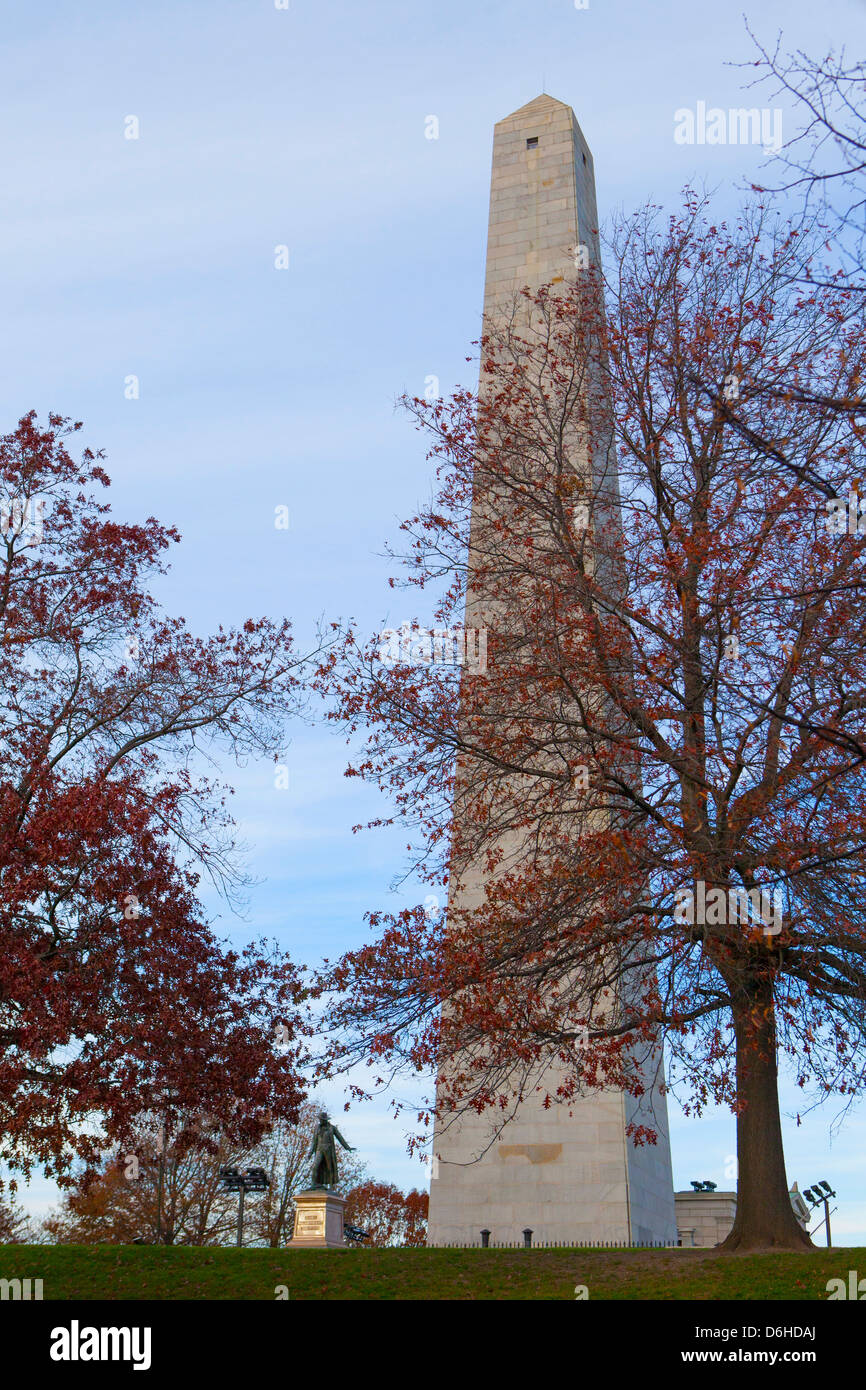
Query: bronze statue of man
x,y
323,1152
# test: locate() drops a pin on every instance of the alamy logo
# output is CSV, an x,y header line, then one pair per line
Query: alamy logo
x,y
846,516
738,126
18,1289
856,1288
718,907
448,646
22,516
76,1343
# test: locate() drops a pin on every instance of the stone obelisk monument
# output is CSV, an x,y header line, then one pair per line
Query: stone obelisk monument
x,y
569,1173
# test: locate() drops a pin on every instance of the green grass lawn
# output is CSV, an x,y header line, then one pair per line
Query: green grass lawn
x,y
184,1272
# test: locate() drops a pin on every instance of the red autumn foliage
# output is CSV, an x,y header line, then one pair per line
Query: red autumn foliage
x,y
389,1216
116,1000
673,700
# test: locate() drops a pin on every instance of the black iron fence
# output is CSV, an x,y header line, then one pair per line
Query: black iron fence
x,y
481,1244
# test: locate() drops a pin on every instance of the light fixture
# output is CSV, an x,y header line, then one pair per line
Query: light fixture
x,y
821,1192
242,1182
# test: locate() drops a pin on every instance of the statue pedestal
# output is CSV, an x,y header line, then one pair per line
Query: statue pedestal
x,y
318,1220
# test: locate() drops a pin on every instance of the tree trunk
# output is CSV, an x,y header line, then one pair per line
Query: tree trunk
x,y
765,1218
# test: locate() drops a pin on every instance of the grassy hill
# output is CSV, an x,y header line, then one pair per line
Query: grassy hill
x,y
183,1272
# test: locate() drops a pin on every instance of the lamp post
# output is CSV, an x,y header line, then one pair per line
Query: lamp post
x,y
250,1180
159,1183
167,1101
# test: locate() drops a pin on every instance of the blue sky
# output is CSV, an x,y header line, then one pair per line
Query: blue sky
x,y
305,127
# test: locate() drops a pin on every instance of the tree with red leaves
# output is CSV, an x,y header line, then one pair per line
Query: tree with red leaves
x,y
116,1000
389,1216
134,1195
649,808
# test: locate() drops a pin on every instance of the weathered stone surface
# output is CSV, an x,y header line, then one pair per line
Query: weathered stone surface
x,y
705,1218
567,1176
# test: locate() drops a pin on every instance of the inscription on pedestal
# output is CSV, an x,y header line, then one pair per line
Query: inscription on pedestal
x,y
311,1223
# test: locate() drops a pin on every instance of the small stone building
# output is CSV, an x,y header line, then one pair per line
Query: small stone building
x,y
705,1218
